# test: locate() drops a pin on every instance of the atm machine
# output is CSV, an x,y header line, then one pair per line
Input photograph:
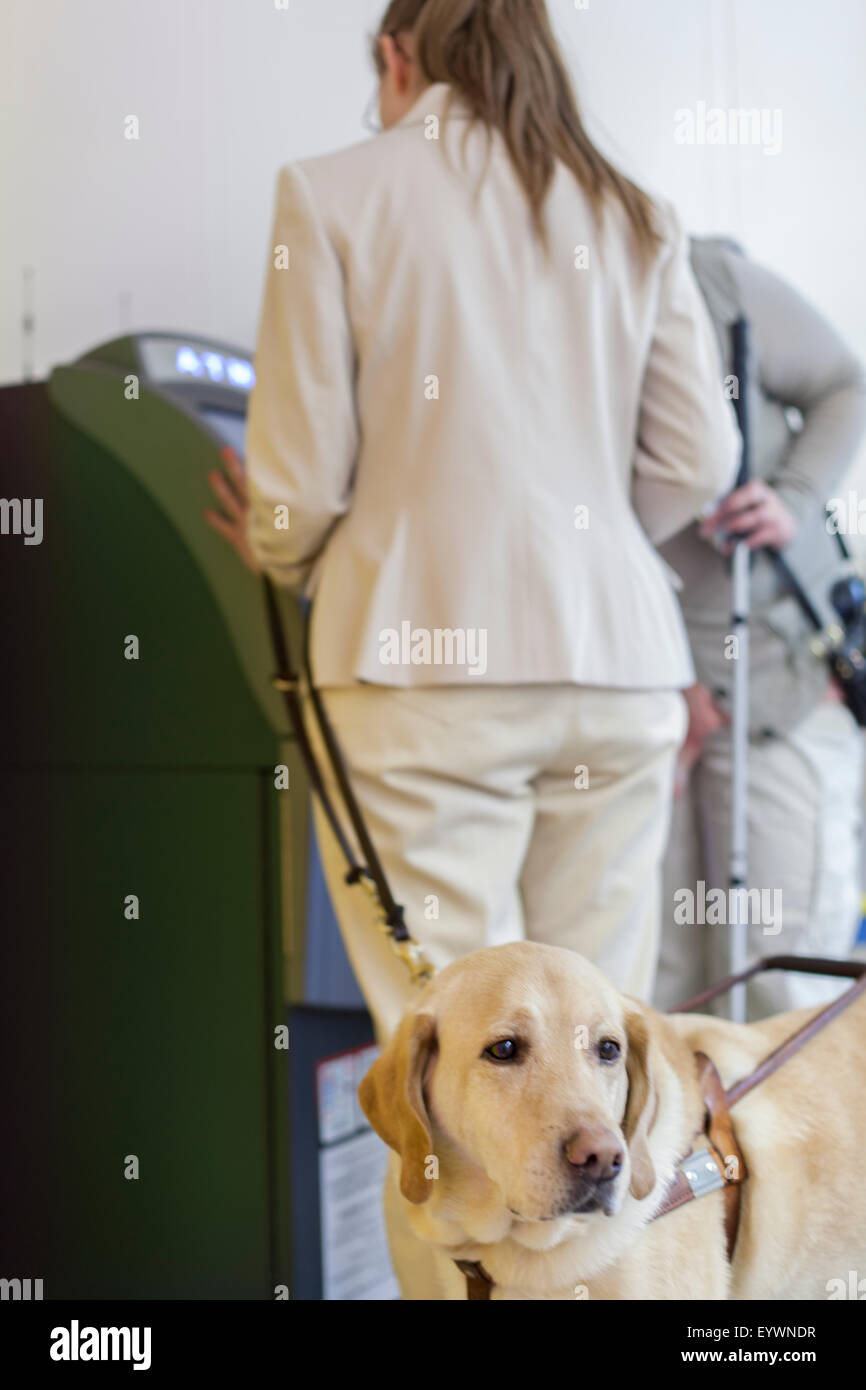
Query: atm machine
x,y
184,1036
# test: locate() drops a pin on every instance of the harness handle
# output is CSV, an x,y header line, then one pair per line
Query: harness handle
x,y
804,965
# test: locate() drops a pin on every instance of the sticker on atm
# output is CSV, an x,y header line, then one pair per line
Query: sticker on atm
x,y
337,1081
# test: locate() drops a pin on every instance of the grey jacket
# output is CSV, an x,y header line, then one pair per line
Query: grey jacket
x,y
807,401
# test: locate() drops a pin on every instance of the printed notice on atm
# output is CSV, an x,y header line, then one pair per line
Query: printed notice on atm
x,y
353,1160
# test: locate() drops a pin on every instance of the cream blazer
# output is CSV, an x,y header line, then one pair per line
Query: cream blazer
x,y
465,453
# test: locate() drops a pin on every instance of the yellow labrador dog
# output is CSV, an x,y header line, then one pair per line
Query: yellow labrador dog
x,y
539,1115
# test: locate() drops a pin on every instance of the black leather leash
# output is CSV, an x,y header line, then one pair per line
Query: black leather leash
x,y
370,873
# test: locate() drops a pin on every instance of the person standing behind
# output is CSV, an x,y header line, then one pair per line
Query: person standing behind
x,y
805,765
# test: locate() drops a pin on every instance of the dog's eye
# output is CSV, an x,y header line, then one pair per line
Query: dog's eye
x,y
609,1049
503,1051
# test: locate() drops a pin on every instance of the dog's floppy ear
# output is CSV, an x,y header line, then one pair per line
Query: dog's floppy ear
x,y
640,1106
392,1098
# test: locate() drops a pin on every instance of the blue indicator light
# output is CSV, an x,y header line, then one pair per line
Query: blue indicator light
x,y
188,362
216,367
205,362
241,373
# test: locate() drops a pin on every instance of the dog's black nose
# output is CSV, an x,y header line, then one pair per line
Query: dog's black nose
x,y
595,1153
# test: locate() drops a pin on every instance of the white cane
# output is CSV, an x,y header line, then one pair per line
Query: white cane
x,y
739,855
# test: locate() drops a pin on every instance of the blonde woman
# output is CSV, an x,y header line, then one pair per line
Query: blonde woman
x,y
487,386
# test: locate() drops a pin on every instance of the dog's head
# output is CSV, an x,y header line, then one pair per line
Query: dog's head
x,y
524,1064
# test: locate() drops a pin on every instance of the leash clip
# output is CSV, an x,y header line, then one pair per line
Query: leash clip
x,y
286,684
412,955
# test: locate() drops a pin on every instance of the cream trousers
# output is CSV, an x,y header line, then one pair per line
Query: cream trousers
x,y
502,813
505,813
804,825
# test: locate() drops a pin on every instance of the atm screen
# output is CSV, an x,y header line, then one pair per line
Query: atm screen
x,y
230,425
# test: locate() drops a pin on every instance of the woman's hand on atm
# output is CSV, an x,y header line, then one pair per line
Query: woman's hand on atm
x,y
230,490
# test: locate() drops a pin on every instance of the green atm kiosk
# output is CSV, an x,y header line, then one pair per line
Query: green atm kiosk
x,y
164,904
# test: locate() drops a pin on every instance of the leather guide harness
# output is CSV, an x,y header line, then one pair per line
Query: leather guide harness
x,y
715,1160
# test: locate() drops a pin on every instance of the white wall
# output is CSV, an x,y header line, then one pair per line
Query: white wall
x,y
803,210
171,231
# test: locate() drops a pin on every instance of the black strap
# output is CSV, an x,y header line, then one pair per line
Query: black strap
x,y
740,363
790,579
740,354
840,539
287,682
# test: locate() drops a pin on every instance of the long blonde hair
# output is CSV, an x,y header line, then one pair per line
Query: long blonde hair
x,y
501,55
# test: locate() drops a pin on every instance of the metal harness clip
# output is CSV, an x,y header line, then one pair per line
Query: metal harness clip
x,y
701,1172
411,953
